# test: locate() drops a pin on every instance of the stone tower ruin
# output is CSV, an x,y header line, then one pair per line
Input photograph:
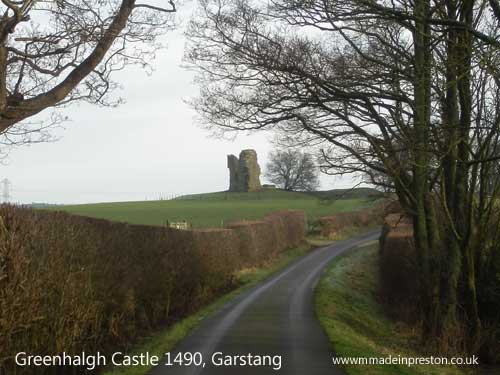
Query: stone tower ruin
x,y
244,173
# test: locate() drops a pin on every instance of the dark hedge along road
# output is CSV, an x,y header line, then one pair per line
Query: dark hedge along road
x,y
270,329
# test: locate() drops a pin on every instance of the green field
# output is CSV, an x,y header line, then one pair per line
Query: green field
x,y
349,308
213,209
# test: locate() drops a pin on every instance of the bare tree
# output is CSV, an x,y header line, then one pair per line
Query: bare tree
x,y
59,51
292,170
373,81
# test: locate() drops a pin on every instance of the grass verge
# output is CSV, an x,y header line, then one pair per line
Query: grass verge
x,y
165,340
347,307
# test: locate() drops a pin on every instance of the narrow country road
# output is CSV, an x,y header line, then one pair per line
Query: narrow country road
x,y
274,318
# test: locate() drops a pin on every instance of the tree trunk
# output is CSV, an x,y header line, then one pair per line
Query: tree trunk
x,y
452,266
464,201
421,159
3,78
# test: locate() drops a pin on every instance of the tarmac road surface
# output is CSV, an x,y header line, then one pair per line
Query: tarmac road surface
x,y
269,329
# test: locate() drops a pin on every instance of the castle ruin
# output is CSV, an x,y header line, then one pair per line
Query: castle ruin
x,y
244,172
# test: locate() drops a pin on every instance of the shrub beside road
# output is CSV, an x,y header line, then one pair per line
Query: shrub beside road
x,y
74,284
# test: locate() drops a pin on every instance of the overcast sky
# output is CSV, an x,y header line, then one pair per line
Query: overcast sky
x,y
148,147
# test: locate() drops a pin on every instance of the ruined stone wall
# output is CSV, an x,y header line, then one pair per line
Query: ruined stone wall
x,y
234,168
244,172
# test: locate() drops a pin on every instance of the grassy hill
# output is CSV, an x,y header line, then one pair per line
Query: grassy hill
x,y
213,209
358,193
266,194
334,194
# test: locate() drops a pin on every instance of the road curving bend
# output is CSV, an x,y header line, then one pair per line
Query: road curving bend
x,y
269,329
